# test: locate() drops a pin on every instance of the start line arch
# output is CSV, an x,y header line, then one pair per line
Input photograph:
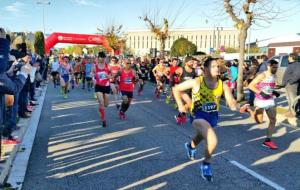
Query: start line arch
x,y
56,37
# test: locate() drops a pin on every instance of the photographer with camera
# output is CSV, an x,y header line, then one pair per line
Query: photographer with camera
x,y
9,83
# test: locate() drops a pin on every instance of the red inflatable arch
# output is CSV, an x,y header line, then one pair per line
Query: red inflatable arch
x,y
56,37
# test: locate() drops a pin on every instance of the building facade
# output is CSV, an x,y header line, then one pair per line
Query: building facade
x,y
206,39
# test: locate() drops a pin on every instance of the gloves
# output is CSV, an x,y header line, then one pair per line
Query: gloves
x,y
275,93
264,95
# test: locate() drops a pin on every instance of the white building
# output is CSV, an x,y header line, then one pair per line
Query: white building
x,y
206,39
280,45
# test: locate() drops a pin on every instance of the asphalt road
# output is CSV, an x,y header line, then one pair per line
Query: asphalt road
x,y
146,151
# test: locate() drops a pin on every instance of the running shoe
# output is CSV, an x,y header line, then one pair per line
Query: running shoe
x,y
139,93
180,119
244,108
104,123
270,144
157,95
206,172
168,100
122,115
175,106
65,96
191,152
11,141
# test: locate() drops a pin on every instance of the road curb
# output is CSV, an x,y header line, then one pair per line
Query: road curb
x,y
19,165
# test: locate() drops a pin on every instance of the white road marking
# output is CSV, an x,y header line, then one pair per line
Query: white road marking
x,y
257,176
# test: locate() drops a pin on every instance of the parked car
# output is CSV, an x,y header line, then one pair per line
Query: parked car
x,y
283,63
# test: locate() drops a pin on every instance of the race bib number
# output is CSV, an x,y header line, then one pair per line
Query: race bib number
x,y
187,78
127,80
209,107
102,75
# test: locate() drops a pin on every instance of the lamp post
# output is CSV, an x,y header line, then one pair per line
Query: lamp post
x,y
43,3
248,56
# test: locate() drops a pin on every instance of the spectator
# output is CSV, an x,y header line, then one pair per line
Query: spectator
x,y
9,85
263,64
291,80
23,96
250,75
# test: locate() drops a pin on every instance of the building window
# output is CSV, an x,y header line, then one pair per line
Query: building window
x,y
169,41
201,41
224,43
229,44
143,42
205,41
133,41
234,45
147,43
210,41
130,40
138,44
151,43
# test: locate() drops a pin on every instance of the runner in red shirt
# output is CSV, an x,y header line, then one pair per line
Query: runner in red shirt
x,y
127,78
102,87
172,78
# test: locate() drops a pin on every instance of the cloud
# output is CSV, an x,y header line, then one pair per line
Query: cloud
x,y
15,7
86,3
15,10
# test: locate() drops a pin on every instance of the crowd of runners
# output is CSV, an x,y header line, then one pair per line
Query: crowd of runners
x,y
194,86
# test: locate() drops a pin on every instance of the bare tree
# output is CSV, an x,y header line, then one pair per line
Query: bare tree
x,y
170,14
115,36
243,13
161,33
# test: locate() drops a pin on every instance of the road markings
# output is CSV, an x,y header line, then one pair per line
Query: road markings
x,y
257,176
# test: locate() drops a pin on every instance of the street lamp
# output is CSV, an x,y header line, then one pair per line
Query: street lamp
x,y
43,3
249,42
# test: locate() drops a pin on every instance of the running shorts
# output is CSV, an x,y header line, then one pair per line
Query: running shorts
x,y
102,89
210,117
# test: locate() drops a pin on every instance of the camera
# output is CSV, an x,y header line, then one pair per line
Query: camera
x,y
19,65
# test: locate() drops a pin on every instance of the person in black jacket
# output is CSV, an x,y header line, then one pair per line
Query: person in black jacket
x,y
8,85
291,80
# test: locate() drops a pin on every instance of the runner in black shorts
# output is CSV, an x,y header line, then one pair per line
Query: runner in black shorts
x,y
102,88
143,75
127,78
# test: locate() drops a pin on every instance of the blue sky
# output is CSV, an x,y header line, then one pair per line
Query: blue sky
x,y
84,16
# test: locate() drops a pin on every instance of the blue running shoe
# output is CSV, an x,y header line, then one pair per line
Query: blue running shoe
x,y
206,172
191,152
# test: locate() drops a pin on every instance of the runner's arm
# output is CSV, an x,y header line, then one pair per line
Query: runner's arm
x,y
135,76
179,89
154,70
117,74
253,83
232,103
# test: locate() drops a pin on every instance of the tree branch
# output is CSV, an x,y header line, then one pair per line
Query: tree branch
x,y
230,11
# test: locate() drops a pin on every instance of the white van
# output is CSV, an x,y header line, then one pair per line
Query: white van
x,y
283,63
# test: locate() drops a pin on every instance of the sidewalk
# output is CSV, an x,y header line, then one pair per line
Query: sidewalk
x,y
26,134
